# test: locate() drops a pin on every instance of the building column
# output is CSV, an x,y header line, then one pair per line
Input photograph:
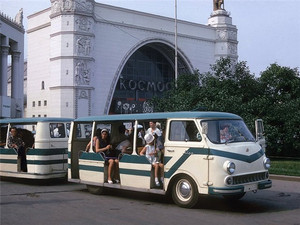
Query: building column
x,y
16,85
15,75
3,75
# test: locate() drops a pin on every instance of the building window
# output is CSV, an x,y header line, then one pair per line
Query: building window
x,y
39,115
39,103
45,102
33,115
43,85
33,104
45,115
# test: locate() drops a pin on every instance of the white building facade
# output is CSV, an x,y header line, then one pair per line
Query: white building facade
x,y
87,58
12,52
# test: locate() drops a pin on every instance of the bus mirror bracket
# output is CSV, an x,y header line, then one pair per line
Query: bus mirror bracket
x,y
204,128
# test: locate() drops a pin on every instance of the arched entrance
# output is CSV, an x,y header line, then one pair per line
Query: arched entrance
x,y
147,73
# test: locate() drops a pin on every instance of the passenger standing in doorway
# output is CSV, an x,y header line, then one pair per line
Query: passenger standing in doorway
x,y
153,129
14,141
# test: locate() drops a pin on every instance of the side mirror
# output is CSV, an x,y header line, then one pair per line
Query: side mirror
x,y
259,129
204,128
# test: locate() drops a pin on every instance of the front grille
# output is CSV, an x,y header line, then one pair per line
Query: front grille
x,y
248,178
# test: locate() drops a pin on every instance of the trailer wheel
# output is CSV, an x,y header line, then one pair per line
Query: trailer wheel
x,y
96,190
185,192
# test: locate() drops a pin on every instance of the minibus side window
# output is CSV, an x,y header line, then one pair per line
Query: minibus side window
x,y
184,131
57,130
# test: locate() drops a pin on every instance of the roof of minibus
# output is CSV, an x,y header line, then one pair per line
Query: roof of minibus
x,y
157,116
34,120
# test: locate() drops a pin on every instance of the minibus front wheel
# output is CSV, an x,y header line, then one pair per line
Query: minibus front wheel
x,y
185,192
96,190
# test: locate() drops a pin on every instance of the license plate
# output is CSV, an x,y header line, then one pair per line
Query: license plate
x,y
250,187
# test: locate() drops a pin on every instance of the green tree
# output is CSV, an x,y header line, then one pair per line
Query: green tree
x,y
183,96
281,109
230,87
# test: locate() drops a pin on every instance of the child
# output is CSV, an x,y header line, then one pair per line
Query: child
x,y
151,154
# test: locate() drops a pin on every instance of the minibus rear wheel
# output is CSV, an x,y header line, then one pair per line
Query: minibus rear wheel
x,y
96,190
185,192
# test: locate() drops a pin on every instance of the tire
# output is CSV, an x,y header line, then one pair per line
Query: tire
x,y
184,192
96,190
234,197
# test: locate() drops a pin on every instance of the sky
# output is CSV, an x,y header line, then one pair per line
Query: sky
x,y
268,30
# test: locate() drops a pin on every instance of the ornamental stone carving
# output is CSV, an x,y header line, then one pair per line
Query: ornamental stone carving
x,y
84,24
226,34
222,34
72,5
84,6
232,48
83,95
83,45
82,73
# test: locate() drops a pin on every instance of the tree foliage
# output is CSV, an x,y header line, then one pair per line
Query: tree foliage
x,y
230,87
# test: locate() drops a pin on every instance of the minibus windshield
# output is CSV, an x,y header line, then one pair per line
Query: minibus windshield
x,y
227,131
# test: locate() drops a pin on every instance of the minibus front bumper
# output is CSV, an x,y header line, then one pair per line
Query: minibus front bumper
x,y
240,188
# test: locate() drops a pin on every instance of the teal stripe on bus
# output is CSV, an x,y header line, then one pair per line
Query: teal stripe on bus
x,y
91,156
35,162
91,168
54,151
34,151
236,156
8,151
9,161
135,172
135,159
203,151
176,165
46,162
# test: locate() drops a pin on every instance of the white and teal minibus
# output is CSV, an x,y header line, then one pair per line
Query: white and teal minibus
x,y
196,160
45,141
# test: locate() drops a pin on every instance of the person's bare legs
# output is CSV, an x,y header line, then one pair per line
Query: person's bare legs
x,y
116,170
110,166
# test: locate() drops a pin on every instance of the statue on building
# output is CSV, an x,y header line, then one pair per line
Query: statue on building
x,y
19,17
218,5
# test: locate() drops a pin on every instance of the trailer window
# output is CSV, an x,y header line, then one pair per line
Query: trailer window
x,y
57,130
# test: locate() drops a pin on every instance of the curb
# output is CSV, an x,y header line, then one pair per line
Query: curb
x,y
283,177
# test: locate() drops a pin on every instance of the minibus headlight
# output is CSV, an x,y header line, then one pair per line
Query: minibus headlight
x,y
229,167
267,163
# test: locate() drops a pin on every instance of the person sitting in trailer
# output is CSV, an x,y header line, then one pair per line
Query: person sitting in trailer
x,y
150,152
103,145
93,142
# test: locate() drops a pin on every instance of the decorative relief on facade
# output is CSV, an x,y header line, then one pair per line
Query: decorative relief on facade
x,y
62,6
232,48
232,35
84,24
83,94
83,45
222,34
84,6
82,73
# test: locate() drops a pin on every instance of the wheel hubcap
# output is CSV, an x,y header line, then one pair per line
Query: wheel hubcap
x,y
184,190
